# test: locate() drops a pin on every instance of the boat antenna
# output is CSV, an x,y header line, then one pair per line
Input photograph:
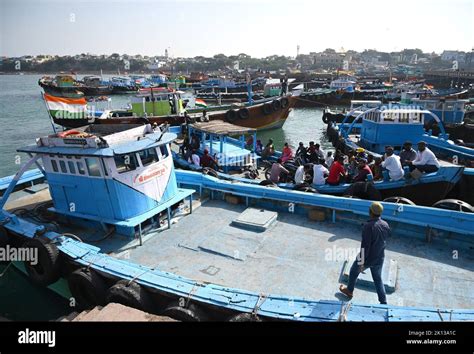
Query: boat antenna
x,y
49,113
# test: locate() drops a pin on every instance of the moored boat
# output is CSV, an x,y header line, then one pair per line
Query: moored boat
x,y
136,240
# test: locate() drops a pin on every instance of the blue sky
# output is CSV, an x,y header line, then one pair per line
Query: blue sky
x,y
256,27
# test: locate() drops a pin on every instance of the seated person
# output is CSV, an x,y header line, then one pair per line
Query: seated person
x,y
363,172
329,159
392,164
337,172
319,174
319,152
195,142
277,171
302,152
195,159
300,174
425,160
287,153
259,147
269,149
208,161
377,169
407,154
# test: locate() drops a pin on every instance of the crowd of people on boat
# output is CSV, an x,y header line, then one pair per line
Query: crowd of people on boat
x,y
318,168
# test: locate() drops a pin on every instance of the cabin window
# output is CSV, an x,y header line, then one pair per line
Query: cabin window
x,y
125,163
148,156
71,167
62,164
54,165
93,167
164,151
80,168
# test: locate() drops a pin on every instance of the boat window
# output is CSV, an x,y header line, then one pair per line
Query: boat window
x,y
404,118
93,167
164,151
148,156
104,167
80,168
62,164
147,99
54,165
124,163
71,167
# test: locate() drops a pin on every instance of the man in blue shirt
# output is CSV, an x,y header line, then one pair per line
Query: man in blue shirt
x,y
372,253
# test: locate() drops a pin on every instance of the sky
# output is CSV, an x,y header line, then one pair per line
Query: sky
x,y
260,28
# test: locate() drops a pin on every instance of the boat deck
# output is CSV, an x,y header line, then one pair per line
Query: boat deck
x,y
293,258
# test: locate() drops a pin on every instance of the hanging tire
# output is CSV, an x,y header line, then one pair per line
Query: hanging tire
x,y
231,116
191,313
88,288
267,108
130,294
454,204
244,113
284,102
210,172
276,105
326,119
399,200
364,190
46,269
4,238
245,317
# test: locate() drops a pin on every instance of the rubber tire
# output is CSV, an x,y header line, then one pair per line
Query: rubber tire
x,y
47,270
326,119
132,295
276,105
88,288
244,113
231,116
399,200
364,190
192,313
210,172
245,317
284,102
267,183
463,206
267,108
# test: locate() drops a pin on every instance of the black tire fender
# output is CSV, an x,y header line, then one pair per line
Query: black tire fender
x,y
130,294
46,269
87,287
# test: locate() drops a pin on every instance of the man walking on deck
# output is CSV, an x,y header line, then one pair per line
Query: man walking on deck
x,y
372,253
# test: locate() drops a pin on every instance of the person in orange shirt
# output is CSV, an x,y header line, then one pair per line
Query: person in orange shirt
x,y
287,153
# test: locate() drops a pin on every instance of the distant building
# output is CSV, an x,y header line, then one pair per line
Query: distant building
x,y
450,55
328,60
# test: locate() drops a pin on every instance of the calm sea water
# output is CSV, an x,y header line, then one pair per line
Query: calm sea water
x,y
23,118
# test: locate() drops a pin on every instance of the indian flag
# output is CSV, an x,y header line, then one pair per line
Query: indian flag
x,y
64,107
200,103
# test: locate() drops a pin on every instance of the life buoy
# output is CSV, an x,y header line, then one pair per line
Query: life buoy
x,y
67,133
284,102
245,317
87,288
267,108
130,294
244,113
276,105
189,313
45,270
231,116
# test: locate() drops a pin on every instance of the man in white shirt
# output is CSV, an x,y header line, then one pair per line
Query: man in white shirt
x,y
392,164
300,174
329,159
425,160
318,174
195,159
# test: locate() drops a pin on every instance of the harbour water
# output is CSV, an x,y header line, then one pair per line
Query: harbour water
x,y
24,118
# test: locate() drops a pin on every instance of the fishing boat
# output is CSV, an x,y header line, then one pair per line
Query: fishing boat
x,y
128,228
164,105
